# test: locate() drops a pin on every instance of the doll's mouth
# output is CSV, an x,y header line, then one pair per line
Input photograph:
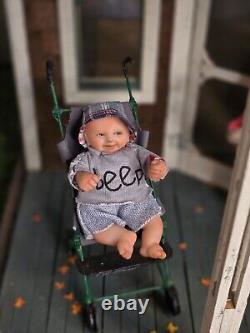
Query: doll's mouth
x,y
109,146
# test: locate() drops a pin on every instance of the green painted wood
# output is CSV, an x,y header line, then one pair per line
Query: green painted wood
x,y
129,319
111,285
77,323
49,243
167,192
59,308
147,321
23,263
32,267
201,230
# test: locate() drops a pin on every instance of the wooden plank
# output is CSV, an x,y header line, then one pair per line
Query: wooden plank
x,y
7,218
19,279
76,323
147,321
177,265
232,231
111,285
59,308
242,294
49,243
201,208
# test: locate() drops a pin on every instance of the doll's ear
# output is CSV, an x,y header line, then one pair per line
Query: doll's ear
x,y
132,136
81,136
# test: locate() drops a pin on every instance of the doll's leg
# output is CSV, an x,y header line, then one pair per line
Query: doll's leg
x,y
151,237
119,237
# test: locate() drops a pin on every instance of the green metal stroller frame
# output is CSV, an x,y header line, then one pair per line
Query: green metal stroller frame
x,y
98,265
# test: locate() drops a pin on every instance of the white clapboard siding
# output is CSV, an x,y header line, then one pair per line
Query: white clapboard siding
x,y
23,79
234,227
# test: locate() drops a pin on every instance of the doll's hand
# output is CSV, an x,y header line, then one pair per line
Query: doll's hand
x,y
87,181
157,170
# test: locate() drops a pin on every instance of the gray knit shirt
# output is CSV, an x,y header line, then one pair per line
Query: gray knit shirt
x,y
122,175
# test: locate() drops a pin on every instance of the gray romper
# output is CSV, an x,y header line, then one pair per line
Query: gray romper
x,y
122,196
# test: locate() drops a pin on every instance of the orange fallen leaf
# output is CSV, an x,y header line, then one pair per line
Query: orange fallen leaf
x,y
205,282
199,209
63,269
76,308
171,327
182,246
59,285
72,260
69,296
19,302
37,218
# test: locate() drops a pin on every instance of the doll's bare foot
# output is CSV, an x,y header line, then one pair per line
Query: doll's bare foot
x,y
154,251
125,245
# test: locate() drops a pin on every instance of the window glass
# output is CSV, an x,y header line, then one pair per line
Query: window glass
x,y
107,31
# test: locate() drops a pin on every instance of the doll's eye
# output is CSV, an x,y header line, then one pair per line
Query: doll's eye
x,y
100,134
118,133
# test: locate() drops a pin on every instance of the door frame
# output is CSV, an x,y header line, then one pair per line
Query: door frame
x,y
229,287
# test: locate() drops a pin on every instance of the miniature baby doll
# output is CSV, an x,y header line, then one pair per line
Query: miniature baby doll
x,y
111,184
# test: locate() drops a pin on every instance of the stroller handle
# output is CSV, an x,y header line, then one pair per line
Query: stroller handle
x,y
49,70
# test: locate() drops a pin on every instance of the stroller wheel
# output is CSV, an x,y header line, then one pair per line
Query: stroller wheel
x,y
172,299
91,317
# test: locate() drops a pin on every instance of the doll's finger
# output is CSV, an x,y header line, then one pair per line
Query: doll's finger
x,y
155,173
96,178
92,183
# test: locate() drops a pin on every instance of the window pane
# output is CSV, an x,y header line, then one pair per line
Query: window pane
x,y
107,32
219,103
229,34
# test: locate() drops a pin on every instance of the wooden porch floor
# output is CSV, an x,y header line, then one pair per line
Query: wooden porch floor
x,y
34,286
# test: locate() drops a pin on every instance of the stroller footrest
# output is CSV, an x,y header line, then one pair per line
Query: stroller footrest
x,y
112,262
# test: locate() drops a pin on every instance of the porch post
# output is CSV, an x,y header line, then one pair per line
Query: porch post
x,y
23,80
229,288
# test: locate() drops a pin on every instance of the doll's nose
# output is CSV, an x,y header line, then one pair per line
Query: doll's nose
x,y
109,138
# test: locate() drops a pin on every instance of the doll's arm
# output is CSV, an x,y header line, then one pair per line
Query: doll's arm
x,y
86,180
157,169
79,174
154,166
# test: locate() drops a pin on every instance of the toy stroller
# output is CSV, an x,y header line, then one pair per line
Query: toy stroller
x,y
69,148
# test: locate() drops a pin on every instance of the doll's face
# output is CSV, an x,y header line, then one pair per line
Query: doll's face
x,y
107,134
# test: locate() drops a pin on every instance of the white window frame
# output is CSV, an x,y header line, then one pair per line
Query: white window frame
x,y
150,49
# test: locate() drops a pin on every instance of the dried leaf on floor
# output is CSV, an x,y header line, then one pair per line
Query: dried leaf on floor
x,y
19,303
182,246
63,269
205,282
59,285
171,327
72,260
69,296
76,308
37,218
199,209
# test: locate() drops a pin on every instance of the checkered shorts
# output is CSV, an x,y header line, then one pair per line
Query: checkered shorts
x,y
95,218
